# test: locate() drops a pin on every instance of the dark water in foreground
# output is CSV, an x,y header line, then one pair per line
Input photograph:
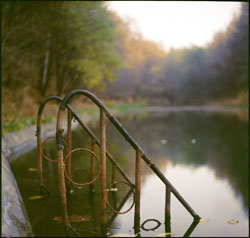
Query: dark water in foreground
x,y
204,155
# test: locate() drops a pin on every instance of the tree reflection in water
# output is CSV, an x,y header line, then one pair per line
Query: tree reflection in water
x,y
186,143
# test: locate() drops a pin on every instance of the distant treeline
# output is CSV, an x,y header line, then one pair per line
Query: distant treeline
x,y
52,47
196,75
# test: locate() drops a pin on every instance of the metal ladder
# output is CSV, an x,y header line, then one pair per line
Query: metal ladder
x,y
64,162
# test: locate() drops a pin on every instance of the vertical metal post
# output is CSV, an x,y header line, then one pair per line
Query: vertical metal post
x,y
174,191
40,160
137,191
61,167
167,210
92,166
92,162
69,143
103,170
62,187
91,186
39,153
39,145
114,198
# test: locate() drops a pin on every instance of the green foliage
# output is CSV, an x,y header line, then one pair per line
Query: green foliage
x,y
93,44
17,124
57,46
122,108
49,48
142,101
118,108
89,71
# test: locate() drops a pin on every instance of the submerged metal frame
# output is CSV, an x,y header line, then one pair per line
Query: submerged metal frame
x,y
140,154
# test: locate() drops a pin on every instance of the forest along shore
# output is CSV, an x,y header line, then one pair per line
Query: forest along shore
x,y
65,55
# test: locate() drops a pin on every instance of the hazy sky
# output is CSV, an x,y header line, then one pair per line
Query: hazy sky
x,y
177,24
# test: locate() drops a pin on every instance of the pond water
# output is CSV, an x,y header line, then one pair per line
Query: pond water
x,y
204,156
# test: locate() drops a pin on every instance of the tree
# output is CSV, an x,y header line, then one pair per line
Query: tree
x,y
57,46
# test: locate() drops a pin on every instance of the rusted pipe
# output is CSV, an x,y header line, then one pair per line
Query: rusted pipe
x,y
130,140
114,197
168,210
109,156
39,140
92,162
69,138
61,167
84,126
174,191
91,134
94,177
92,165
167,203
40,160
137,188
103,169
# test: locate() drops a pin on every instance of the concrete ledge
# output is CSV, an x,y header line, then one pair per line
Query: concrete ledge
x,y
17,143
15,222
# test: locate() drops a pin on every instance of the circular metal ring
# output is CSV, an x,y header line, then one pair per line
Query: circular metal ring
x,y
133,197
91,181
151,229
44,155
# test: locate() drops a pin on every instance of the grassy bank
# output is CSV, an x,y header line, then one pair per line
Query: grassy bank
x,y
13,121
16,122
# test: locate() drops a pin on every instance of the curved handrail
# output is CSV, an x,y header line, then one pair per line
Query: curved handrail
x,y
38,135
111,117
84,126
125,134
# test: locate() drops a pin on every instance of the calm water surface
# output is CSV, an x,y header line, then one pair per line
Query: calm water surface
x,y
204,155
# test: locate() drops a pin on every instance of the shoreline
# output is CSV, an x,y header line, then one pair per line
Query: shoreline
x,y
19,142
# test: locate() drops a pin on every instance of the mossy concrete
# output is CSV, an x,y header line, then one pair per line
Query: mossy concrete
x,y
15,222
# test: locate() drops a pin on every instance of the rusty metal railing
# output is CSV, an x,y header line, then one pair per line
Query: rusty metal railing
x,y
95,141
66,172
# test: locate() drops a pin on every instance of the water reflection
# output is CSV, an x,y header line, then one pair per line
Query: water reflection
x,y
221,143
205,156
221,148
213,198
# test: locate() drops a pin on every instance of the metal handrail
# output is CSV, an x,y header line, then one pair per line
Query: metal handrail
x,y
127,137
83,125
104,112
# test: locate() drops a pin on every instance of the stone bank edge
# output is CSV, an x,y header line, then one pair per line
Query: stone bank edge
x,y
15,222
